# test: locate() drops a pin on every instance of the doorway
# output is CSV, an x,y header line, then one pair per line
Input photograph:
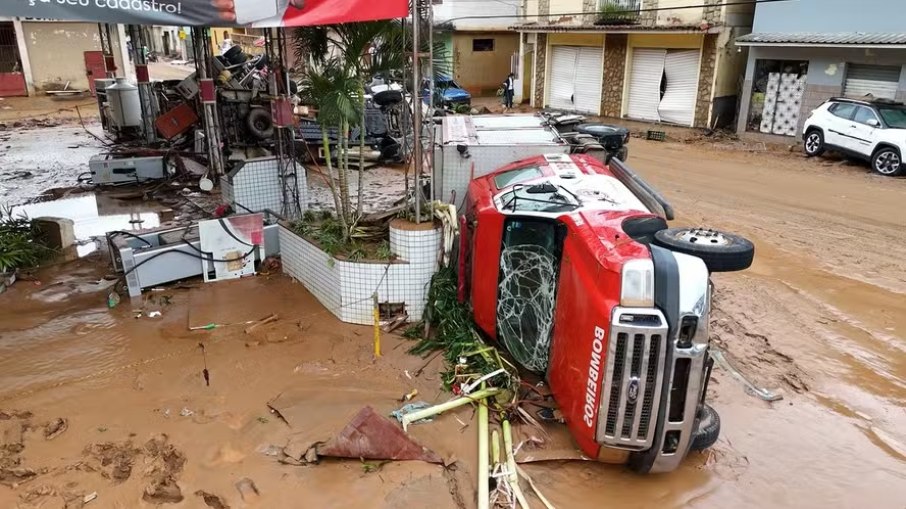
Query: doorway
x,y
12,80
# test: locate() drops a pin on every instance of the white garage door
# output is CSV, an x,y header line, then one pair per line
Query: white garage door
x,y
678,103
563,77
576,76
679,70
878,80
645,83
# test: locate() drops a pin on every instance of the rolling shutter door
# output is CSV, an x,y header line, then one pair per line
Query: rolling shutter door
x,y
589,75
563,76
645,83
878,80
678,103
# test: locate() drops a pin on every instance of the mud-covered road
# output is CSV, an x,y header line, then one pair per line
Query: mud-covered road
x,y
819,318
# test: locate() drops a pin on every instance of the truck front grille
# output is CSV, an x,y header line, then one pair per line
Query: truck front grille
x,y
633,380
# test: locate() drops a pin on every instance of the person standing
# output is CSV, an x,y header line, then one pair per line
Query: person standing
x,y
509,89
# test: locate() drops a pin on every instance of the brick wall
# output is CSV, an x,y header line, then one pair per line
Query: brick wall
x,y
615,46
540,64
705,81
813,96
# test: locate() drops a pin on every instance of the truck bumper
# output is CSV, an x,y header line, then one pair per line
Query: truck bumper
x,y
683,300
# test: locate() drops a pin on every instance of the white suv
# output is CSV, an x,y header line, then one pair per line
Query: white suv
x,y
874,130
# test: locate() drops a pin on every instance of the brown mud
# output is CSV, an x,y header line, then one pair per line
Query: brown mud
x,y
820,318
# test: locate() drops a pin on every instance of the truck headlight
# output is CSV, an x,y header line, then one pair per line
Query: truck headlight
x,y
637,289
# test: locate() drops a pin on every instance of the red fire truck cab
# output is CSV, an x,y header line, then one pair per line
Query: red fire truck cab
x,y
568,262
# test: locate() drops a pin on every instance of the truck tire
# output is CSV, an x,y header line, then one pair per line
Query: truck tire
x,y
387,97
260,124
708,429
721,252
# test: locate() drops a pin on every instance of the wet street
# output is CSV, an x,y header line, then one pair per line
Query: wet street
x,y
820,318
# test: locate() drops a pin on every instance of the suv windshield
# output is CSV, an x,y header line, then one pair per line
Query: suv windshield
x,y
540,198
895,117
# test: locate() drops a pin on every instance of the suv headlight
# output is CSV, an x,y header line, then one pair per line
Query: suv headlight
x,y
637,288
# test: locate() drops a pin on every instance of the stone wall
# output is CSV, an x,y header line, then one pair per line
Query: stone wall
x,y
813,97
648,17
712,14
540,65
615,47
591,8
544,10
706,81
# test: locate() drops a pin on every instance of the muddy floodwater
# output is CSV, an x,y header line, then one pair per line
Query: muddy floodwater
x,y
34,160
820,319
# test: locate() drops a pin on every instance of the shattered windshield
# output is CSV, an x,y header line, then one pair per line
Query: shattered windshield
x,y
894,117
544,197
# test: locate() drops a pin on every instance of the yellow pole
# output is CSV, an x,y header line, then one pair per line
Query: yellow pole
x,y
484,497
377,327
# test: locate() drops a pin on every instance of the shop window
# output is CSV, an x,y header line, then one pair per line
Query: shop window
x,y
777,88
482,44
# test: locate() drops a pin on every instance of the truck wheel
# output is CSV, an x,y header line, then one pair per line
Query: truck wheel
x,y
260,124
708,429
721,252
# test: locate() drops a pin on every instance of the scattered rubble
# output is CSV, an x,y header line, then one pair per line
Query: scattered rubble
x,y
55,428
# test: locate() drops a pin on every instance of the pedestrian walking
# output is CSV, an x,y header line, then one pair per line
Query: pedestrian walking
x,y
509,89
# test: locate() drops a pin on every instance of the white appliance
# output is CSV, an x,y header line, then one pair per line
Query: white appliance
x,y
251,11
106,170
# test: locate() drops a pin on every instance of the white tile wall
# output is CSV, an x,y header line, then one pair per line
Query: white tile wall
x,y
346,288
257,185
311,266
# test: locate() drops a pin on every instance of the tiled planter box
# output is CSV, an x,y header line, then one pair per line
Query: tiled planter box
x,y
345,288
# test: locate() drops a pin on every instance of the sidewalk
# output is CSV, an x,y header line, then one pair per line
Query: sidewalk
x,y
45,108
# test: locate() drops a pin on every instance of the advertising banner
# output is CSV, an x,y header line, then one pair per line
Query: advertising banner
x,y
254,13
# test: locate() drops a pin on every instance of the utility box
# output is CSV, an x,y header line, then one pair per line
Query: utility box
x,y
176,121
473,146
108,170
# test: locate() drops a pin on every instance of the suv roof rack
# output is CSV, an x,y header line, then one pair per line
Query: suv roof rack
x,y
867,101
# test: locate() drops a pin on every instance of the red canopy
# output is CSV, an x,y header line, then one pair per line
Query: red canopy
x,y
255,13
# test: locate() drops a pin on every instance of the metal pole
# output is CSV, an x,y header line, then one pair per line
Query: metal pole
x,y
417,109
431,124
143,82
203,54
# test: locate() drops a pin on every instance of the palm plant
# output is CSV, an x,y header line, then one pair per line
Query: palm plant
x,y
330,86
357,51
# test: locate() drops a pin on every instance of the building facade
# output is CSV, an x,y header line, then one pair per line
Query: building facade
x,y
803,53
480,52
39,55
671,61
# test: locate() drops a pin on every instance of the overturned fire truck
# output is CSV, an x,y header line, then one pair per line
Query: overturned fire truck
x,y
569,263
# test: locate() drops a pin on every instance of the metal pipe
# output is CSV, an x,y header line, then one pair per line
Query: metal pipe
x,y
431,83
417,109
